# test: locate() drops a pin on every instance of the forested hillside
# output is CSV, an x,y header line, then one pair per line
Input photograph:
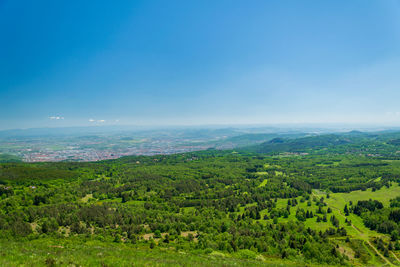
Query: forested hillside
x,y
208,208
382,143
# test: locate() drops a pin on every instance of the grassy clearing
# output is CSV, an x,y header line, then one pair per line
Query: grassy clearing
x,y
360,235
383,195
337,201
312,222
68,252
86,198
269,166
263,183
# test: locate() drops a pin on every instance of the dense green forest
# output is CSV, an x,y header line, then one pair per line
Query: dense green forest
x,y
9,158
320,200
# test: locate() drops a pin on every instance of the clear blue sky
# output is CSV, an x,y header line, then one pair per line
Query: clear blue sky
x,y
63,63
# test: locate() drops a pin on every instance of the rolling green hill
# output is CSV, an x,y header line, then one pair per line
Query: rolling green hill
x,y
383,143
302,144
230,208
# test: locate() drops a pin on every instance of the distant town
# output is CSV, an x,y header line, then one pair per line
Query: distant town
x,y
95,144
81,154
92,147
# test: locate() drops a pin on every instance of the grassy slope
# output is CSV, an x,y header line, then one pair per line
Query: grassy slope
x,y
337,202
75,252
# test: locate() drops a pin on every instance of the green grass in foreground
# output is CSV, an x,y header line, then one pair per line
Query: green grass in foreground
x,y
77,252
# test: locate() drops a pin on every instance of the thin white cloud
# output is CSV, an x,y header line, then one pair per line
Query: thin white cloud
x,y
98,121
56,118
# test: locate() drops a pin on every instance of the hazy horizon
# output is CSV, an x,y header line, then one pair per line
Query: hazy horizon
x,y
333,127
69,63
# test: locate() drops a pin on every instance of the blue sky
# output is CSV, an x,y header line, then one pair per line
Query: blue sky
x,y
67,63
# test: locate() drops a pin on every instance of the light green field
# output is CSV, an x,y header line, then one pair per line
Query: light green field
x,y
268,166
263,183
336,202
312,222
357,230
383,195
86,198
57,147
70,252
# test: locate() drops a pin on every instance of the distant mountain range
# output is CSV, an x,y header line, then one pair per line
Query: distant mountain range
x,y
373,142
